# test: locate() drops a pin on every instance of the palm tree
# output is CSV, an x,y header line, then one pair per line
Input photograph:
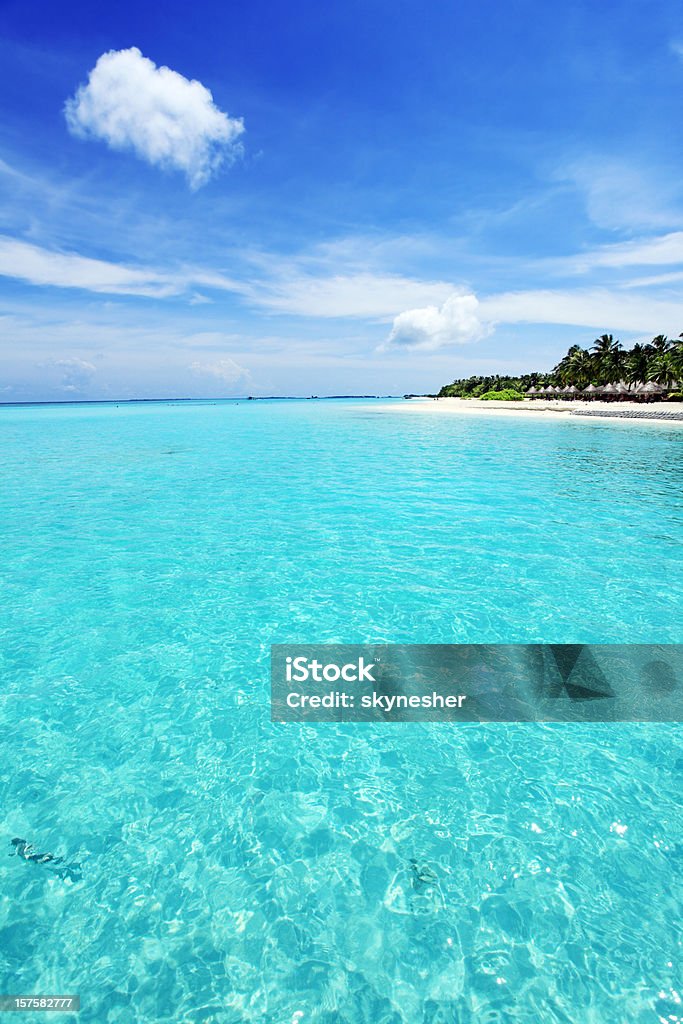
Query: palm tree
x,y
581,367
660,366
660,345
575,368
675,357
637,364
608,358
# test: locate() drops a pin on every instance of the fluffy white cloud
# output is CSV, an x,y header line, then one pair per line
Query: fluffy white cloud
x,y
456,322
165,118
225,370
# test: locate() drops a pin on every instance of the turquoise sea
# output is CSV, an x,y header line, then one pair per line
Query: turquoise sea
x,y
220,868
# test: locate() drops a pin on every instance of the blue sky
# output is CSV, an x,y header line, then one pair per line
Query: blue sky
x,y
342,198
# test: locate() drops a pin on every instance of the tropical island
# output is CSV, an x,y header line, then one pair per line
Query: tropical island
x,y
606,371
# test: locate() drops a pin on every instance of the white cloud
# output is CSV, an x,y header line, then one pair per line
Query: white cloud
x,y
660,251
68,270
226,370
40,266
279,288
350,295
456,322
621,195
75,373
166,119
596,308
655,279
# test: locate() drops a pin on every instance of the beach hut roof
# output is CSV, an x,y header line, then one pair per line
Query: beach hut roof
x,y
653,388
610,389
590,389
573,390
532,390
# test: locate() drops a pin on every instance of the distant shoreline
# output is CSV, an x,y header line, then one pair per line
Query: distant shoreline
x,y
169,401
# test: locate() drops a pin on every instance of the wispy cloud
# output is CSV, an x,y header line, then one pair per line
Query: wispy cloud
x,y
659,251
165,118
622,195
225,370
655,280
425,315
75,373
277,286
369,295
595,308
41,266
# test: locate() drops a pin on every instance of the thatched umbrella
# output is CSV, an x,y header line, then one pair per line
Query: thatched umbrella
x,y
610,391
649,390
590,391
532,392
573,392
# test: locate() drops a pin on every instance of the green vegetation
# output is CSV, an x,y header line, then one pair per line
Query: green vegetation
x,y
506,395
605,362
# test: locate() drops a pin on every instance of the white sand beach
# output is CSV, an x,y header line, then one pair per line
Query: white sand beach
x,y
627,412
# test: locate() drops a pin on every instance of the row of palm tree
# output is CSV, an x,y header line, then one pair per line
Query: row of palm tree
x,y
605,362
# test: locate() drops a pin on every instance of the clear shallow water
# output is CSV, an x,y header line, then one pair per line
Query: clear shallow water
x,y
234,870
